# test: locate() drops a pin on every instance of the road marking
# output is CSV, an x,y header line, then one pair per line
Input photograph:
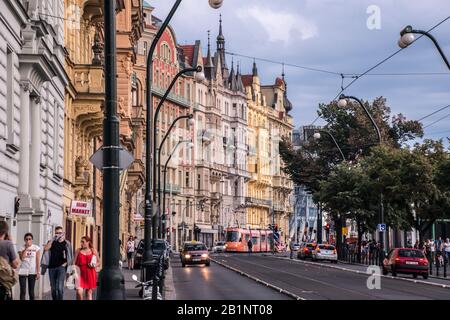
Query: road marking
x,y
357,271
290,294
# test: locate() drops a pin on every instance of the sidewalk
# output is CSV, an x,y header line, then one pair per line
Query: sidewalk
x,y
131,292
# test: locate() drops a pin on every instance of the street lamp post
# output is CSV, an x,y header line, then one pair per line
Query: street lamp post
x,y
111,280
407,38
164,178
343,103
148,255
318,136
157,225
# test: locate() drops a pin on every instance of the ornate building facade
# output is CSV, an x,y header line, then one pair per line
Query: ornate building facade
x,y
83,121
269,189
32,83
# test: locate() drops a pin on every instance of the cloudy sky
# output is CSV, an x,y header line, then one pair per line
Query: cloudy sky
x,y
341,36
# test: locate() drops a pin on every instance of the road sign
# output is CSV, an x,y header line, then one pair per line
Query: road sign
x,y
125,158
381,227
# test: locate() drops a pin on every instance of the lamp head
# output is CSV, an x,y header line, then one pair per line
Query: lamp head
x,y
199,74
191,122
190,145
317,135
215,4
342,102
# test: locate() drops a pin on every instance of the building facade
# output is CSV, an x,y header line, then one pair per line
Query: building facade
x,y
269,190
83,117
32,86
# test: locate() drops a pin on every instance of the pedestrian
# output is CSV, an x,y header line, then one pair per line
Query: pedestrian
x,y
131,246
29,270
446,249
291,248
86,261
433,251
428,254
416,244
59,258
8,262
250,246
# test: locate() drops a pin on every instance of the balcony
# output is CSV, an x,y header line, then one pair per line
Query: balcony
x,y
251,201
89,79
175,98
281,182
279,206
174,188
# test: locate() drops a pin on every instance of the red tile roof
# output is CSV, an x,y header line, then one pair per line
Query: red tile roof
x,y
247,80
188,51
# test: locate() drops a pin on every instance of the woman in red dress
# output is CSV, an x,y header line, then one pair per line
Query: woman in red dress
x,y
86,261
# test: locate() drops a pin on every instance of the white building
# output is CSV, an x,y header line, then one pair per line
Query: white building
x,y
32,81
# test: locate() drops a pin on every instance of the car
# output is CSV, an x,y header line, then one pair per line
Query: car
x,y
194,252
159,246
325,252
406,261
220,246
295,246
305,250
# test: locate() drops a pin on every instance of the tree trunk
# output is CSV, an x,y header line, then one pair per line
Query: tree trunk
x,y
338,229
360,232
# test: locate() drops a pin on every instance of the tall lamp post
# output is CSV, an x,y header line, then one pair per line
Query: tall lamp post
x,y
317,136
343,103
111,280
157,226
191,145
148,255
407,37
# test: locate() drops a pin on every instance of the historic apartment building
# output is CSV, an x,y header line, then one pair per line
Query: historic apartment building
x,y
83,116
32,82
269,189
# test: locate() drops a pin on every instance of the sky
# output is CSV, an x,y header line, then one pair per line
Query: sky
x,y
341,36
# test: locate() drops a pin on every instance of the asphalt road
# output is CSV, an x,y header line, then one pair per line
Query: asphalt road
x,y
322,283
198,282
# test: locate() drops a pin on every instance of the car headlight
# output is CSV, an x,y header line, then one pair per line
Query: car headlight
x,y
187,256
224,245
205,255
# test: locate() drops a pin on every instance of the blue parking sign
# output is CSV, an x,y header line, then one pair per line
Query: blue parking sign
x,y
381,227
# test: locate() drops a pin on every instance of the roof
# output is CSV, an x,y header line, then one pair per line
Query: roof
x,y
247,79
188,51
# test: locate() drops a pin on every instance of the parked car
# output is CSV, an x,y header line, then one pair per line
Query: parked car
x,y
406,261
305,250
325,252
219,246
159,246
296,246
194,252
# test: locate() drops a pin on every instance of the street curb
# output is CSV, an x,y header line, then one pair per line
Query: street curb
x,y
361,272
278,289
169,287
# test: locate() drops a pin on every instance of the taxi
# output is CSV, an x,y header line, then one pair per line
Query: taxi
x,y
194,252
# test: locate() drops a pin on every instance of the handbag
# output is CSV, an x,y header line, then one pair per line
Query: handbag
x,y
44,262
93,261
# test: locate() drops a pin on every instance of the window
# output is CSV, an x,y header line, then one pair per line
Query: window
x,y
56,140
198,181
187,180
145,48
9,95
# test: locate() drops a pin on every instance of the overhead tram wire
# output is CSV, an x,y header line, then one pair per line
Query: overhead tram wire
x,y
386,59
433,113
438,120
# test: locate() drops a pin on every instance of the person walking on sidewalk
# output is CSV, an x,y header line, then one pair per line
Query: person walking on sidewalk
x,y
131,246
446,250
8,262
59,258
250,246
86,262
29,270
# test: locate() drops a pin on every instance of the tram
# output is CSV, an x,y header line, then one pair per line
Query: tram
x,y
237,239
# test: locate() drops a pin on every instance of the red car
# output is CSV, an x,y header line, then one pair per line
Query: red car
x,y
406,261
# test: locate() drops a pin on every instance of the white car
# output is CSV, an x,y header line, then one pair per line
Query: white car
x,y
220,246
325,252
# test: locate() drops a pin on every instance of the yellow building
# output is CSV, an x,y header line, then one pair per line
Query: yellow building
x,y
83,118
269,188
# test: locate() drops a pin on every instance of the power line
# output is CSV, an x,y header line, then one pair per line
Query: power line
x,y
386,59
438,120
433,113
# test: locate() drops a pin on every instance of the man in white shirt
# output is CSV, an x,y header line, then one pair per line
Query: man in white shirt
x,y
130,252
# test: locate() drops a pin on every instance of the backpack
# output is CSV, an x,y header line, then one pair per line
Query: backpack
x,y
8,277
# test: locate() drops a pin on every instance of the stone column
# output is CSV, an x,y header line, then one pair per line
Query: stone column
x,y
25,208
35,150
